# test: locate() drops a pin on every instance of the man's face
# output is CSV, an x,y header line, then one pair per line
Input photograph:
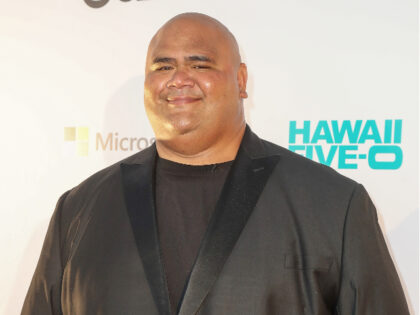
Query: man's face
x,y
191,82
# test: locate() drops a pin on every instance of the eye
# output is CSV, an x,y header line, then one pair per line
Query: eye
x,y
200,67
164,68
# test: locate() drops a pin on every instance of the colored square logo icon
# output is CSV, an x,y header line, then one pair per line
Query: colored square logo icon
x,y
69,133
76,141
82,133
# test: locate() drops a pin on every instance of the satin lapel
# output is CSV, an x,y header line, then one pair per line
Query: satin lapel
x,y
138,184
239,196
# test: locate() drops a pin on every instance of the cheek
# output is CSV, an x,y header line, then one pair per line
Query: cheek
x,y
154,85
207,85
215,85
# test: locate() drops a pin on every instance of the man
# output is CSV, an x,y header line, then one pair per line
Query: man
x,y
211,219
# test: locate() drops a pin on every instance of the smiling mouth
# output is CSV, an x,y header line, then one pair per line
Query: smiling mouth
x,y
181,100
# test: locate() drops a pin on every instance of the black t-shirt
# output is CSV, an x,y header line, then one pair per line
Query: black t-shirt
x,y
186,196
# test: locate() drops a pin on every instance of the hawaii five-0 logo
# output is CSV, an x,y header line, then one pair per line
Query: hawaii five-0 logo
x,y
349,142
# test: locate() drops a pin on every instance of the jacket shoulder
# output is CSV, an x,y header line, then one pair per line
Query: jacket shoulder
x,y
298,171
76,204
107,175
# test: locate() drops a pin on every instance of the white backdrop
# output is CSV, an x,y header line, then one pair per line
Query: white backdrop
x,y
71,82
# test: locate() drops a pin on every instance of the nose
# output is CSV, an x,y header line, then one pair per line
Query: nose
x,y
180,79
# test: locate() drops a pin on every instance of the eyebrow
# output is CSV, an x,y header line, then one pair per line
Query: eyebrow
x,y
163,60
199,58
189,58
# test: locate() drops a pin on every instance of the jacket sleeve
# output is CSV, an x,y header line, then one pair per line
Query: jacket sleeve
x,y
44,294
369,282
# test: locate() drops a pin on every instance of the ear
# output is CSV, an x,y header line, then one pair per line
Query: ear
x,y
242,79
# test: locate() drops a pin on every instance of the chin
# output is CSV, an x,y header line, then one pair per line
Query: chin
x,y
170,130
183,130
182,126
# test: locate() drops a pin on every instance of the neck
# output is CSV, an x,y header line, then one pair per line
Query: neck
x,y
193,150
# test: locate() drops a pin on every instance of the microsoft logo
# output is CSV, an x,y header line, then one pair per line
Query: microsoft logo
x,y
76,140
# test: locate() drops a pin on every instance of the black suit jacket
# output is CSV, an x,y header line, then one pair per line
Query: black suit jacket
x,y
288,236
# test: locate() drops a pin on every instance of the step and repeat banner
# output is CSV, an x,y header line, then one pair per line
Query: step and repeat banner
x,y
335,81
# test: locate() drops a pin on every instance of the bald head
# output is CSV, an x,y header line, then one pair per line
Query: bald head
x,y
178,27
